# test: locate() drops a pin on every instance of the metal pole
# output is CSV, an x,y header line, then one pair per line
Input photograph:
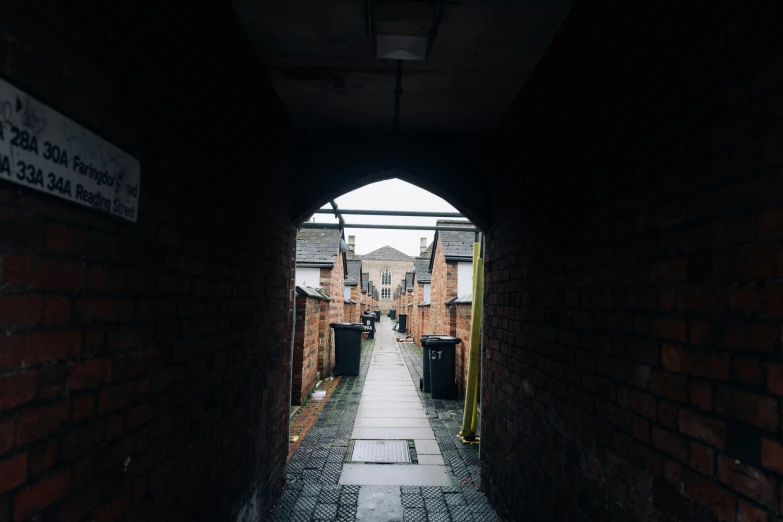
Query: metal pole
x,y
337,212
391,213
291,359
468,433
387,227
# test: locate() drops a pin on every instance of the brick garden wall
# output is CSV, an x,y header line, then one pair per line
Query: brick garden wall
x,y
443,288
423,322
356,295
414,317
633,363
162,345
463,314
333,282
350,313
305,374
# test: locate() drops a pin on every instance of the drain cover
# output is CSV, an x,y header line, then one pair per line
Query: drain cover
x,y
381,451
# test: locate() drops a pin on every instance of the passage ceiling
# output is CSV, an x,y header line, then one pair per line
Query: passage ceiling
x,y
323,63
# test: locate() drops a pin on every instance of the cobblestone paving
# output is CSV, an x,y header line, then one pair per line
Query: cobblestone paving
x,y
312,493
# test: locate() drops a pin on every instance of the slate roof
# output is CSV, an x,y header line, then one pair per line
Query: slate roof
x,y
409,281
317,247
456,246
421,265
365,282
427,253
312,292
386,253
354,269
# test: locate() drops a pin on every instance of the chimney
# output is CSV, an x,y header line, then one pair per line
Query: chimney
x,y
352,243
422,246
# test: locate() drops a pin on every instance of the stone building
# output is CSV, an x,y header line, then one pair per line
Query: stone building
x,y
385,267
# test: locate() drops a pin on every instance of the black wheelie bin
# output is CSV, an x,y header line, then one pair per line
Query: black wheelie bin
x,y
442,360
368,320
424,382
403,324
347,348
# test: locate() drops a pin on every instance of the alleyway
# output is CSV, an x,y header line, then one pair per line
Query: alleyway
x,y
329,478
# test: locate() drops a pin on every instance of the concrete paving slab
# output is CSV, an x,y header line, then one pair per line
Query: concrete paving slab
x,y
389,405
394,475
381,422
417,413
386,395
393,433
379,504
426,447
392,384
386,398
431,460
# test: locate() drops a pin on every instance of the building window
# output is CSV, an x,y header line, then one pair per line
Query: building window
x,y
386,277
385,293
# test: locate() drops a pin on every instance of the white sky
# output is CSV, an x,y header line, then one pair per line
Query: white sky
x,y
390,194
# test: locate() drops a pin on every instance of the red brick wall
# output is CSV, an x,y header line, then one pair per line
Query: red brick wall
x,y
164,344
423,322
350,313
308,321
356,295
443,288
333,282
414,317
633,338
463,315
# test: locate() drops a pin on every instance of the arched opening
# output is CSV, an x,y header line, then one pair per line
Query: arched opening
x,y
407,259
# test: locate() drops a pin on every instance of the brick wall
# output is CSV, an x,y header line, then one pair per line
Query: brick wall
x,y
414,317
305,374
462,330
423,322
333,282
350,312
356,295
633,353
162,345
443,288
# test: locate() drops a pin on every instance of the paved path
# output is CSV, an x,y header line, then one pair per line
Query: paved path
x,y
382,406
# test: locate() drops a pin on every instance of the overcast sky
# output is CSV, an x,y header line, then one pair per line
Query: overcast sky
x,y
391,194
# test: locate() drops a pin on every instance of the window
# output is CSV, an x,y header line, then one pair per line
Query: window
x,y
385,293
386,276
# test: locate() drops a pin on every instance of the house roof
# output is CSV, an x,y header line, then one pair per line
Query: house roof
x,y
309,291
354,268
365,282
409,281
455,245
317,247
421,265
427,253
386,253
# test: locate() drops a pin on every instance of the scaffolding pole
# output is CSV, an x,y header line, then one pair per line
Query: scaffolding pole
x,y
470,415
389,227
406,213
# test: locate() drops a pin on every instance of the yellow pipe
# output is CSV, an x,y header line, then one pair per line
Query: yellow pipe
x,y
468,433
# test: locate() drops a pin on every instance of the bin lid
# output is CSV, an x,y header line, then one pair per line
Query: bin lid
x,y
347,326
444,339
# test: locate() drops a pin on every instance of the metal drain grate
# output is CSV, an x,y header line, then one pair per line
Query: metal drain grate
x,y
381,451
